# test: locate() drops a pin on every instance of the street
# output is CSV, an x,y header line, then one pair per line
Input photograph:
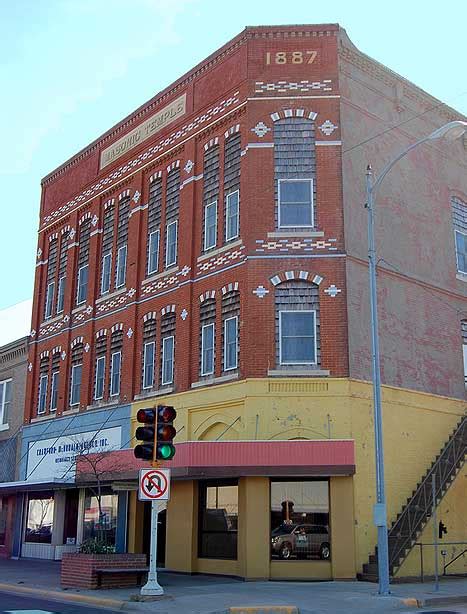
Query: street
x,y
12,603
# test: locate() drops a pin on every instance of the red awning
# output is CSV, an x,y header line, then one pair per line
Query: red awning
x,y
205,459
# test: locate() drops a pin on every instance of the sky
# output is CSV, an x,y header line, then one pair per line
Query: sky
x,y
71,69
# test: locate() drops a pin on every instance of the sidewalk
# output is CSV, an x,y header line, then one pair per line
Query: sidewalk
x,y
207,594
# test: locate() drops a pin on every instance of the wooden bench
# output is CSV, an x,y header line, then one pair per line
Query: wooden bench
x,y
108,571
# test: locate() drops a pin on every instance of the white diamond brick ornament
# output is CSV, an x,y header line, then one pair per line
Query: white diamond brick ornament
x,y
184,314
32,333
89,309
72,233
260,291
260,129
131,292
186,269
189,166
63,355
94,220
129,333
87,347
30,367
66,319
327,127
136,196
332,291
39,253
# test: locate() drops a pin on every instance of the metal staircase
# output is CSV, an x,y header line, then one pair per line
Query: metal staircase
x,y
414,515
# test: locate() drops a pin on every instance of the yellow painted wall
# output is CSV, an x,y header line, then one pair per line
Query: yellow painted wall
x,y
415,425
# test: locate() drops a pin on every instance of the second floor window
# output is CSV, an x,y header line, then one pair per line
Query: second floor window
x,y
75,393
121,266
148,364
42,394
297,337
54,391
207,349
82,289
167,360
171,245
100,378
5,400
115,372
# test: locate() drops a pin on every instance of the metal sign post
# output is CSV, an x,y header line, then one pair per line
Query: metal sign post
x,y
154,486
152,586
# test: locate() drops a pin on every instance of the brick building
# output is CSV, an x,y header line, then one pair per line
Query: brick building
x,y
210,251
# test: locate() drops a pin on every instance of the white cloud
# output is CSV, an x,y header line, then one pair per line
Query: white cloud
x,y
15,322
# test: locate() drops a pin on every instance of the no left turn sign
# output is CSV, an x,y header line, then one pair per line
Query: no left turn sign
x,y
154,485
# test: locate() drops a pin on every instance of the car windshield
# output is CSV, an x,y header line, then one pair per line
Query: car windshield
x,y
284,529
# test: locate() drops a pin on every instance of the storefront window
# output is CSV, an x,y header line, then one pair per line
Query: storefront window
x,y
100,525
40,518
218,520
3,519
300,520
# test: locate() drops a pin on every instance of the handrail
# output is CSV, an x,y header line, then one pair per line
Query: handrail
x,y
421,545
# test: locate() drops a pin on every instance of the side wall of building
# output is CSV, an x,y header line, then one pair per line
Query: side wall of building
x,y
420,299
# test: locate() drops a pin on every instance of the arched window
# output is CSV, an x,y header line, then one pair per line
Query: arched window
x,y
43,383
122,240
51,274
230,327
232,156
294,172
107,245
154,224
83,262
167,349
210,197
297,324
100,349
148,374
76,373
116,345
172,203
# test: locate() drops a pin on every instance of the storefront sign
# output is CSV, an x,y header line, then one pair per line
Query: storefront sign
x,y
149,127
55,458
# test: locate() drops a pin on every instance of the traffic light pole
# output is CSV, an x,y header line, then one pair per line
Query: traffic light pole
x,y
152,586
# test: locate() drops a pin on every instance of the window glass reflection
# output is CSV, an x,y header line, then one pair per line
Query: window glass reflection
x,y
39,523
218,520
300,520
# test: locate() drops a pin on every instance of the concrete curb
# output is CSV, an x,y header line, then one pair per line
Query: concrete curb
x,y
264,609
429,601
102,602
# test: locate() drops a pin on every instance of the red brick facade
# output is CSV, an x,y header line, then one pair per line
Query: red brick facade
x,y
227,94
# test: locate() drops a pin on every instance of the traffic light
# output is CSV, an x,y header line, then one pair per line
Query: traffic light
x,y
145,434
157,434
165,432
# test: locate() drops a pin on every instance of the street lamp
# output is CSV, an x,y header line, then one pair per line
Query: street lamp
x,y
450,131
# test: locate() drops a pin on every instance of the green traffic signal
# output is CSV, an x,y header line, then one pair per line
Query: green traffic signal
x,y
165,451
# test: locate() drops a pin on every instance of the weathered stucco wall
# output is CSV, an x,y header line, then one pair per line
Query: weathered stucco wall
x,y
420,299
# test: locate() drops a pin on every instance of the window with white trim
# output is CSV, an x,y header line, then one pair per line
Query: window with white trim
x,y
207,349
297,341
5,400
232,215
171,244
210,225
122,240
153,252
461,252
54,391
99,385
75,394
49,299
149,354
61,293
106,272
82,289
232,158
459,221
115,373
76,373
297,324
295,203
83,261
121,266
167,360
230,321
230,343
294,172
210,197
42,405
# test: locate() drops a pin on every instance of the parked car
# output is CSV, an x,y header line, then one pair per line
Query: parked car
x,y
301,540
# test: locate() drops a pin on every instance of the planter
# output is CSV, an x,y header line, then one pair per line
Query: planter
x,y
80,570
